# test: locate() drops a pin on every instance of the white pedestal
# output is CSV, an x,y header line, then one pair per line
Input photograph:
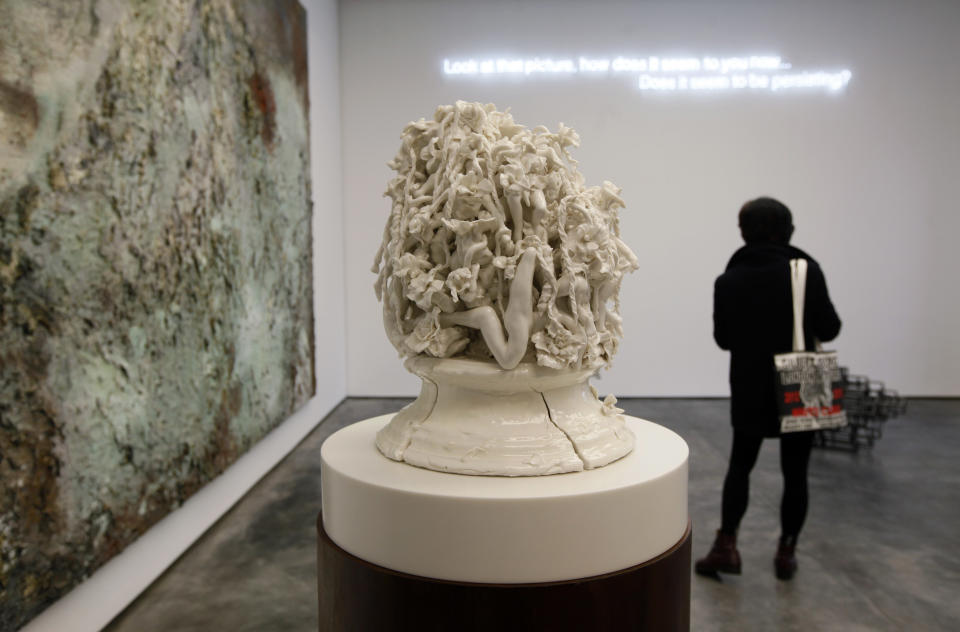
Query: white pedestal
x,y
491,529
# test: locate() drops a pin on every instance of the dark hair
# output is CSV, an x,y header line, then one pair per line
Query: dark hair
x,y
765,220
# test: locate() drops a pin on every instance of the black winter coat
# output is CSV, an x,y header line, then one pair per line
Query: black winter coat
x,y
753,319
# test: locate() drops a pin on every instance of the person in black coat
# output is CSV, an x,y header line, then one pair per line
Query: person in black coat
x,y
753,319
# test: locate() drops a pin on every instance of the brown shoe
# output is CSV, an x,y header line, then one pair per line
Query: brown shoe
x,y
722,558
785,562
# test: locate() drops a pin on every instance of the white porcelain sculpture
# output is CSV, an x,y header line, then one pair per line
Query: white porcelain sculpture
x,y
499,275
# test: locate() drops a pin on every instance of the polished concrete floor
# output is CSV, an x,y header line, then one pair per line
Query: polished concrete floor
x,y
880,551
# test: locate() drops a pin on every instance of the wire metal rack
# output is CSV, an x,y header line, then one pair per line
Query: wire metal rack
x,y
869,404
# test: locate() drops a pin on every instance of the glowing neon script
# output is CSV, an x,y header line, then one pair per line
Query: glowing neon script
x,y
758,73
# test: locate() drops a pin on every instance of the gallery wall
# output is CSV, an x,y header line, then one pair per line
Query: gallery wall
x,y
326,177
868,170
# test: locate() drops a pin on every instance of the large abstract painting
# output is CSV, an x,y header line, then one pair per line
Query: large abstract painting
x,y
155,266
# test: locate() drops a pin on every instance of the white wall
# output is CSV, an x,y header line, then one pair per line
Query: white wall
x,y
870,174
92,605
327,180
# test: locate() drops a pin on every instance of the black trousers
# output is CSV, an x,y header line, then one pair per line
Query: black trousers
x,y
794,457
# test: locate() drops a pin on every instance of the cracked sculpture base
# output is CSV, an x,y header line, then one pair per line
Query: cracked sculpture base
x,y
474,417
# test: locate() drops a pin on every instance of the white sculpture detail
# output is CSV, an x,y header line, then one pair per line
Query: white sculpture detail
x,y
496,251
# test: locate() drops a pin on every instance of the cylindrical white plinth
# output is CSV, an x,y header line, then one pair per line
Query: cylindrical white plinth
x,y
504,530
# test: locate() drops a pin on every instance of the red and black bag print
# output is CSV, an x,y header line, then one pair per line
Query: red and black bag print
x,y
809,383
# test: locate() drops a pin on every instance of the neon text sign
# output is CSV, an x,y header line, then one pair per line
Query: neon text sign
x,y
654,73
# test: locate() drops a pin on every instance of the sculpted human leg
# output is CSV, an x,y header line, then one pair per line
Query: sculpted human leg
x,y
507,349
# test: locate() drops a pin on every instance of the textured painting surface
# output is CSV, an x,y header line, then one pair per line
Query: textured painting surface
x,y
155,268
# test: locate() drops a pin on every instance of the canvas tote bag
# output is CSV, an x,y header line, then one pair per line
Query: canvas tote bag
x,y
809,384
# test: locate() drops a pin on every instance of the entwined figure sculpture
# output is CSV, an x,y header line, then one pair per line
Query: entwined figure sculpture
x,y
495,248
496,251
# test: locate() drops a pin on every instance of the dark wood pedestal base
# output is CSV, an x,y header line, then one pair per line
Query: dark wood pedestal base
x,y
356,596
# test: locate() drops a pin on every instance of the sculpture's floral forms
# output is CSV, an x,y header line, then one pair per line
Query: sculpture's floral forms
x,y
494,246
